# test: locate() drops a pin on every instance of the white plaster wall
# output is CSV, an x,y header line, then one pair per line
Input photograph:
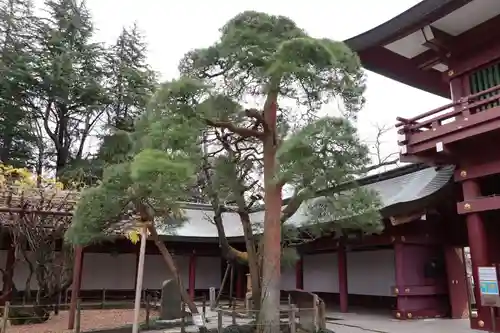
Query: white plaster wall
x,y
371,272
368,272
22,271
208,272
155,272
288,278
320,273
106,271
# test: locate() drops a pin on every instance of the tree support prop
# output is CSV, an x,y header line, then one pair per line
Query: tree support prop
x,y
77,282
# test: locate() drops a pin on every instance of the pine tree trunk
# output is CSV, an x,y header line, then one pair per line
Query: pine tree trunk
x,y
173,269
270,318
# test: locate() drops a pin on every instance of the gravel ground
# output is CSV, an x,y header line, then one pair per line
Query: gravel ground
x,y
90,319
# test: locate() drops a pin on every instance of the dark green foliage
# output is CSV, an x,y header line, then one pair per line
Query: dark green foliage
x,y
16,137
152,173
259,55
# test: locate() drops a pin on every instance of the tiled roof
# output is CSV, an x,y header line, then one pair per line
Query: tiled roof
x,y
407,185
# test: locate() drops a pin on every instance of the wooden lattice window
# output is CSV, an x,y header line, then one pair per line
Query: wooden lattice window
x,y
483,79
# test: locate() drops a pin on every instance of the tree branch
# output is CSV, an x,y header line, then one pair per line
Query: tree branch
x,y
244,132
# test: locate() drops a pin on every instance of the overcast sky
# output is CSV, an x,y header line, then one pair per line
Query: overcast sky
x,y
174,27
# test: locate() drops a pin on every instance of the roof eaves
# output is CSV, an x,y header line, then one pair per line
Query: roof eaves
x,y
423,13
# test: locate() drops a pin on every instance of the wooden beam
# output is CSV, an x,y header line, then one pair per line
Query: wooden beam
x,y
399,68
439,41
477,171
478,205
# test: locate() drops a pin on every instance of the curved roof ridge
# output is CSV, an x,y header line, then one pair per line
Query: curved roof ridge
x,y
410,19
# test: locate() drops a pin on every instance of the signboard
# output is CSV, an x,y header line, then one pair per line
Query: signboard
x,y
488,280
488,286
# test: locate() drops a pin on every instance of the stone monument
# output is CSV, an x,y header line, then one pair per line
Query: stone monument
x,y
171,301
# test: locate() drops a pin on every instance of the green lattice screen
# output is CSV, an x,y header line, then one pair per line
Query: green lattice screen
x,y
485,79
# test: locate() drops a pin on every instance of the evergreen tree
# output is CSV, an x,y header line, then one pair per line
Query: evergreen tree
x,y
270,58
132,81
143,179
68,96
16,139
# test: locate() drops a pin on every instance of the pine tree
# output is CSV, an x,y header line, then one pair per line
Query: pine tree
x,y
144,177
271,59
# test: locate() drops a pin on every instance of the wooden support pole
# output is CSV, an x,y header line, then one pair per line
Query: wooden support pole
x,y
231,282
140,276
5,318
75,289
223,283
78,318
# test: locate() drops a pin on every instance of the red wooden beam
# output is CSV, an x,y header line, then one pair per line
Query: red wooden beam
x,y
239,282
477,205
460,129
412,290
477,170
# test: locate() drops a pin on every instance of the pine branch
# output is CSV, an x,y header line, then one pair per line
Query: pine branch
x,y
243,132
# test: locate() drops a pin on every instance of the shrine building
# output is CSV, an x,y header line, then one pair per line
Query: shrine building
x,y
433,209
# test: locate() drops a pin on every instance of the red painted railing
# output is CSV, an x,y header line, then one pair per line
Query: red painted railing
x,y
461,108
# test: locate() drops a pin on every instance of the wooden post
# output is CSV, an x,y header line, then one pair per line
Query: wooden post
x,y
5,318
226,273
140,275
204,307
211,298
103,298
148,309
78,315
183,318
231,281
219,320
75,289
233,312
291,318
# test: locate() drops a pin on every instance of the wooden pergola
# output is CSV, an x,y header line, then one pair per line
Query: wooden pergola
x,y
24,208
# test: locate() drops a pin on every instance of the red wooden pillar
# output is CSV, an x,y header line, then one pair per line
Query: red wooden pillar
x,y
299,274
342,268
192,275
77,283
239,283
477,242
